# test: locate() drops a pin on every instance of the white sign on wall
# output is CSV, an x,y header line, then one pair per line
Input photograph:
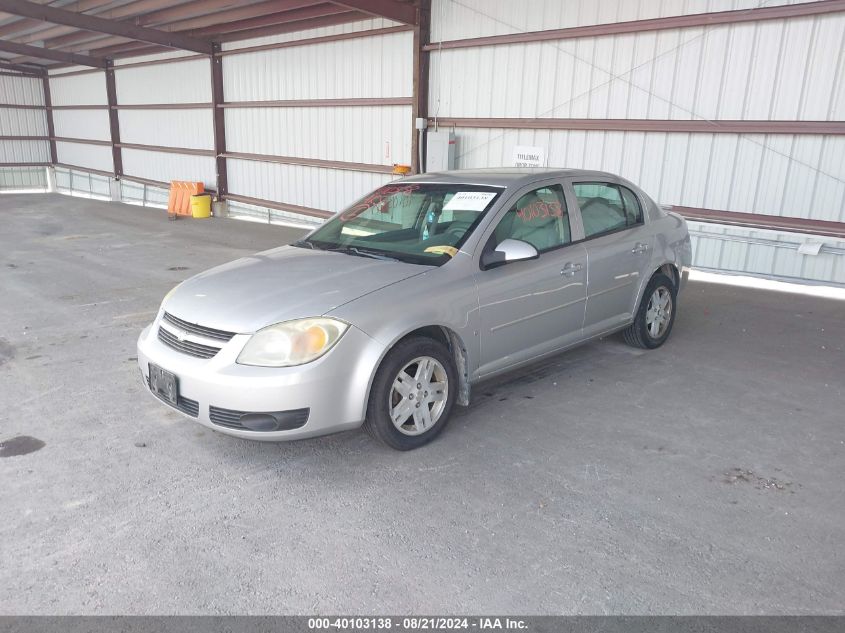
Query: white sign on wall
x,y
527,156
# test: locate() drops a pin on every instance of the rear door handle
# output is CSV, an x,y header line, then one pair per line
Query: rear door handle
x,y
570,269
639,247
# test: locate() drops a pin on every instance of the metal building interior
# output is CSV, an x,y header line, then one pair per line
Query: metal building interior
x,y
705,477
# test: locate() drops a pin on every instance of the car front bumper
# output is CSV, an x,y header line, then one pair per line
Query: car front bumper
x,y
214,392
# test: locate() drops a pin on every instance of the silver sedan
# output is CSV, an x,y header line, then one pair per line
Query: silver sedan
x,y
387,314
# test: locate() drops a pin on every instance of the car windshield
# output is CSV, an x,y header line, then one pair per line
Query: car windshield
x,y
417,223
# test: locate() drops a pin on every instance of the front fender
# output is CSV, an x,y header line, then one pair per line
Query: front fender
x,y
441,297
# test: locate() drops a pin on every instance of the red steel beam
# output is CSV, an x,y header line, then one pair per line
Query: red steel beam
x,y
281,206
46,53
51,131
422,31
203,16
43,31
276,29
285,17
18,25
114,122
25,70
313,162
219,123
308,41
653,125
318,103
762,221
110,45
396,11
239,12
652,24
101,25
162,8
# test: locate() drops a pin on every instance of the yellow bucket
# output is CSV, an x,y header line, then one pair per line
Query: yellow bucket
x,y
201,206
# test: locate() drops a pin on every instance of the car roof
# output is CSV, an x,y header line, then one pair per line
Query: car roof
x,y
504,176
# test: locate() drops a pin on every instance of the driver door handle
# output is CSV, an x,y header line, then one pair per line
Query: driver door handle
x,y
570,269
639,247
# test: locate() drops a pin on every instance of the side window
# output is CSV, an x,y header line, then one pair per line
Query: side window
x,y
633,210
602,208
539,218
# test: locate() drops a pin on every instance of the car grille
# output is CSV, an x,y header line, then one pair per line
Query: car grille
x,y
192,348
185,405
231,418
199,330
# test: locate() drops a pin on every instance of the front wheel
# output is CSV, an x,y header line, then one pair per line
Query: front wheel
x,y
655,314
412,395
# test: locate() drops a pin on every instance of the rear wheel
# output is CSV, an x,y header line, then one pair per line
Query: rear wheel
x,y
655,314
412,395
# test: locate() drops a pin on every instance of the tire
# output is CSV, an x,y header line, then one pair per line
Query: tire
x,y
642,332
389,399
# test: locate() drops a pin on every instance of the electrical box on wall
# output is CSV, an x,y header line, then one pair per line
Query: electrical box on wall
x,y
440,151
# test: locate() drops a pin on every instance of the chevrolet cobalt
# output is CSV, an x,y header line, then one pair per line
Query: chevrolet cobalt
x,y
387,314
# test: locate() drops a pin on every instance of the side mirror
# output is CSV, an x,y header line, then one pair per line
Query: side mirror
x,y
508,251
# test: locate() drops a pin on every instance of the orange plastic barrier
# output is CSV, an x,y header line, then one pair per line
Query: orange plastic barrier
x,y
179,201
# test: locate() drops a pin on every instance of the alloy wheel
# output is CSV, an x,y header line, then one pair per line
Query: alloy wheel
x,y
418,395
659,312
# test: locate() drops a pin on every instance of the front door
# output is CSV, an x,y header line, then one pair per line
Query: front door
x,y
532,307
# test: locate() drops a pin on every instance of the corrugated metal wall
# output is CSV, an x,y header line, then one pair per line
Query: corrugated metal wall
x,y
377,136
81,113
780,69
768,253
22,121
168,82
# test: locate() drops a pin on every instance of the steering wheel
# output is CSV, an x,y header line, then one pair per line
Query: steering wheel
x,y
458,229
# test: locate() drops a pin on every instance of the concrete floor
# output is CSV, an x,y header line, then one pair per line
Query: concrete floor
x,y
704,477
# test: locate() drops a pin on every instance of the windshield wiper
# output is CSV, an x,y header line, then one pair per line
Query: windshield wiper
x,y
354,250
303,244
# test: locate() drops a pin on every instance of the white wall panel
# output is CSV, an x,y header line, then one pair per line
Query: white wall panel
x,y
19,122
84,155
376,67
177,82
85,89
376,135
88,124
165,167
792,175
21,90
170,128
747,71
762,252
327,189
477,18
24,152
12,178
365,67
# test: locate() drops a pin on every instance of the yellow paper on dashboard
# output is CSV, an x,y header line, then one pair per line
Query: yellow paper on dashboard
x,y
451,251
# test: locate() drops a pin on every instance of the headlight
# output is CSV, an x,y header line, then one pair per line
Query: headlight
x,y
292,343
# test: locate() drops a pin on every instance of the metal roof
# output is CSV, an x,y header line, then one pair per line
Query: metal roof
x,y
41,34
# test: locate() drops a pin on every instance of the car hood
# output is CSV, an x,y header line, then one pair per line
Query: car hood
x,y
282,284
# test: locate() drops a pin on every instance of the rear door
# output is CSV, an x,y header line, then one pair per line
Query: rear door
x,y
528,308
618,250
